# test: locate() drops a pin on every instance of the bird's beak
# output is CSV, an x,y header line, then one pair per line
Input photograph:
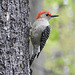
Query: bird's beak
x,y
54,15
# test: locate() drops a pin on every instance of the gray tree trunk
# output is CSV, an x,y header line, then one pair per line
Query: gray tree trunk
x,y
14,37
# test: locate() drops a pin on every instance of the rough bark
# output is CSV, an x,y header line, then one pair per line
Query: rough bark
x,y
14,37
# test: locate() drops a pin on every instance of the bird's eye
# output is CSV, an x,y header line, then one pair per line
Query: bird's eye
x,y
47,14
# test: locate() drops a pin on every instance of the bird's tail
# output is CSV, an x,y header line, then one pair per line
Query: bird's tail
x,y
32,59
38,54
35,53
38,51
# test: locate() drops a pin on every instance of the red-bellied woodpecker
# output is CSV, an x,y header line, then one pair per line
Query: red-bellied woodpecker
x,y
40,32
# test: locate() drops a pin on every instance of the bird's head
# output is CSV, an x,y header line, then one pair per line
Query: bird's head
x,y
45,14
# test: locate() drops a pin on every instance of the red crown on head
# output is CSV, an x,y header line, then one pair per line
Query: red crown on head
x,y
42,12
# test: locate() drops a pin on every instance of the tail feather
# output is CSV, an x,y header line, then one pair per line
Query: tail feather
x,y
32,59
38,51
38,54
35,53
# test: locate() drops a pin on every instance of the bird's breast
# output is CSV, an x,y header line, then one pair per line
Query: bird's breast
x,y
38,27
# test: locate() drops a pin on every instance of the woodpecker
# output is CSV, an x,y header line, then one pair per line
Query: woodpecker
x,y
40,32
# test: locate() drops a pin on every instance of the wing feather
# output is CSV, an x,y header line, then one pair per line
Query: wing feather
x,y
44,37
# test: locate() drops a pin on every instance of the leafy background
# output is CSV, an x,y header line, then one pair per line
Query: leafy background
x,y
60,47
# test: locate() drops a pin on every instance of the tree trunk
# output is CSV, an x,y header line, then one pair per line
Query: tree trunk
x,y
14,37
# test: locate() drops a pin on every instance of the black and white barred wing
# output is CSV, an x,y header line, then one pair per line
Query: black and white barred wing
x,y
44,37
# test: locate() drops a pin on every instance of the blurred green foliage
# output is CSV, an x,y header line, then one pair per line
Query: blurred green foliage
x,y
60,46
54,34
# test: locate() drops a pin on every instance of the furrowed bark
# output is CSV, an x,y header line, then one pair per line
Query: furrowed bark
x,y
14,37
